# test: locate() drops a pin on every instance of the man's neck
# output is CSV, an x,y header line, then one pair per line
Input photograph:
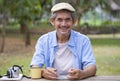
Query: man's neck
x,y
63,39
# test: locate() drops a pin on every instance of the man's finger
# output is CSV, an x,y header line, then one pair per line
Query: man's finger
x,y
52,71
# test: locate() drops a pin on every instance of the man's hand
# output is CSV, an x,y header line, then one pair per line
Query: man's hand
x,y
49,73
80,74
75,74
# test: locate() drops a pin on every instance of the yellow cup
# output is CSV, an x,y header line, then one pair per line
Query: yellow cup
x,y
35,72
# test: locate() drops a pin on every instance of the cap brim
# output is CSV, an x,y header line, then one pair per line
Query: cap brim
x,y
61,6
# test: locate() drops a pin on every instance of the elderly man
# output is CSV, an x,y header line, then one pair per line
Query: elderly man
x,y
64,52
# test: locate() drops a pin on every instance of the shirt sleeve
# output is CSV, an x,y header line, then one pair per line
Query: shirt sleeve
x,y
87,54
38,57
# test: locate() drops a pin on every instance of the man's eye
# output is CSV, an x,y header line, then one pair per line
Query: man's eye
x,y
68,19
59,20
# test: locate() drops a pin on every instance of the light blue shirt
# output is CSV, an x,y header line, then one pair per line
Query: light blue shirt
x,y
78,43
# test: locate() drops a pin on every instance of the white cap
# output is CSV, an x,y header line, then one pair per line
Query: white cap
x,y
61,6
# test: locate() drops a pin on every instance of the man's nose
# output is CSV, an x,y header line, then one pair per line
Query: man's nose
x,y
63,23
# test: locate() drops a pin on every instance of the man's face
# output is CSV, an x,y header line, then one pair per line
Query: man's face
x,y
63,22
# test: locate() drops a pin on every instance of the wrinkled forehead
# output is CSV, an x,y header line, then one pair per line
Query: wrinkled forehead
x,y
64,13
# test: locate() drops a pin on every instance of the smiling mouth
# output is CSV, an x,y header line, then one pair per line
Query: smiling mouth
x,y
64,28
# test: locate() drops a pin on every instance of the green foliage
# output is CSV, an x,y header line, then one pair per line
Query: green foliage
x,y
24,9
111,23
105,41
92,22
1,2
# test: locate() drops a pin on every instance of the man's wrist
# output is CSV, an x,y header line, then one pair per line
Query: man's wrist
x,y
84,74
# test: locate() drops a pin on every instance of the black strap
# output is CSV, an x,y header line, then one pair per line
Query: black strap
x,y
20,67
0,76
27,76
23,76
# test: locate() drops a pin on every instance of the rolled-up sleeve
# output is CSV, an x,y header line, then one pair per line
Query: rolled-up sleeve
x,y
87,54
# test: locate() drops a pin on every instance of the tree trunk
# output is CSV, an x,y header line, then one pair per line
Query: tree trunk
x,y
26,32
3,34
22,30
78,21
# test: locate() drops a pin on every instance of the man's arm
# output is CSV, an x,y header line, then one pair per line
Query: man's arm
x,y
89,71
81,74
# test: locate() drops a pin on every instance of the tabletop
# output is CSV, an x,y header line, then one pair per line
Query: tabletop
x,y
95,78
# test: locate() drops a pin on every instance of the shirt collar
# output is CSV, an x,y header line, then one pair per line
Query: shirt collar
x,y
54,39
71,41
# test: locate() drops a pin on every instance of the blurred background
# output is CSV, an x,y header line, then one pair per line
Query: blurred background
x,y
22,22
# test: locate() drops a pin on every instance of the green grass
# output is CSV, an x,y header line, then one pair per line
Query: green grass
x,y
106,51
107,54
108,59
6,61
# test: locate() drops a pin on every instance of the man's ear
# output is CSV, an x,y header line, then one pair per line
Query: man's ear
x,y
51,21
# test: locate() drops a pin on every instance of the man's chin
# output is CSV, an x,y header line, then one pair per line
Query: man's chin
x,y
64,33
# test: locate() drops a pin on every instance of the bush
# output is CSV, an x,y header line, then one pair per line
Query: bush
x,y
111,23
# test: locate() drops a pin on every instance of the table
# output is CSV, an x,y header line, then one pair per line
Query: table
x,y
95,78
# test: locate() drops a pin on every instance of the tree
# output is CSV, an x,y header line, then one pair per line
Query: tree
x,y
4,17
24,11
27,10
